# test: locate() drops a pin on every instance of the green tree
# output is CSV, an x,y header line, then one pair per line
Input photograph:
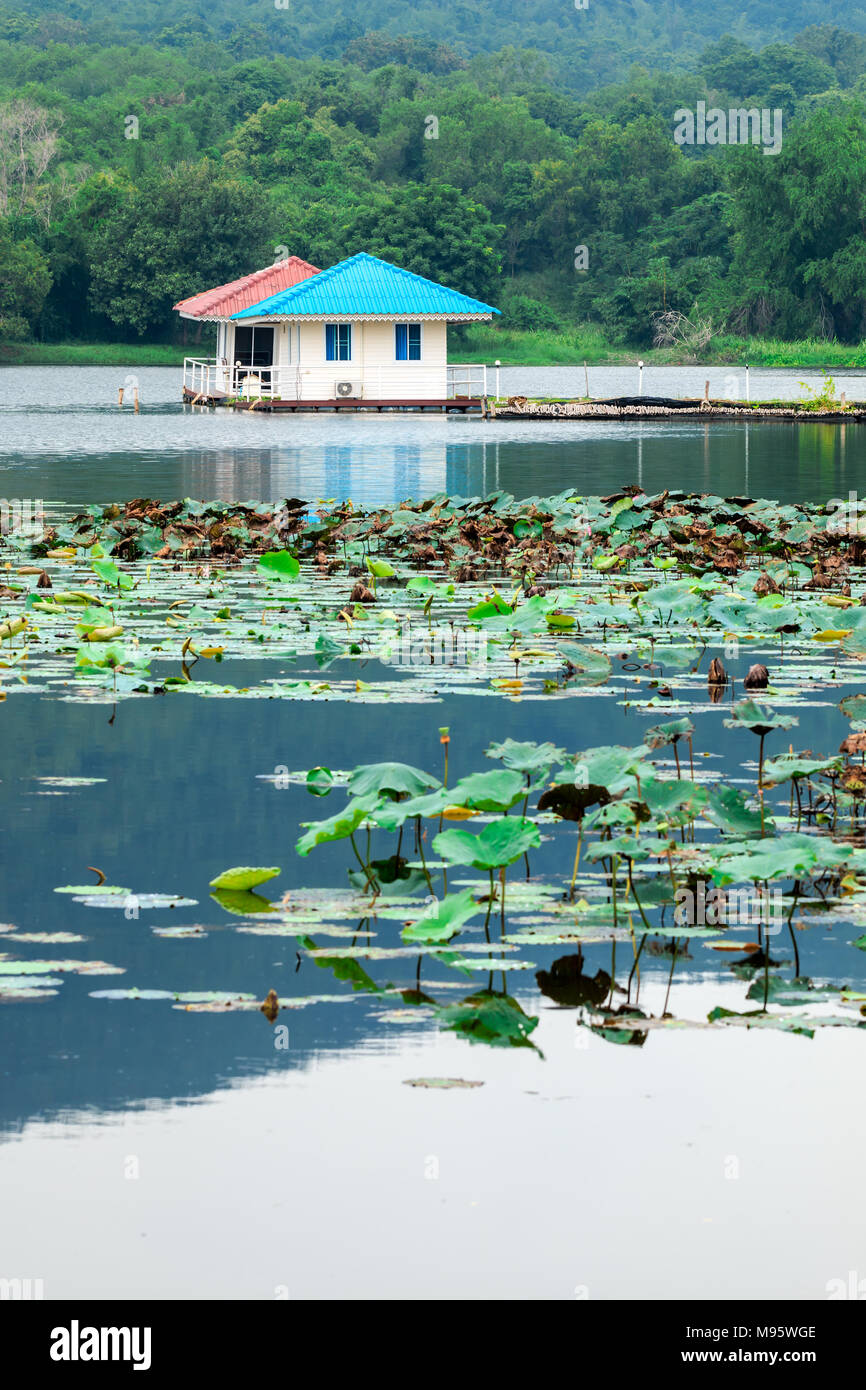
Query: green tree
x,y
433,230
178,232
798,219
280,142
25,280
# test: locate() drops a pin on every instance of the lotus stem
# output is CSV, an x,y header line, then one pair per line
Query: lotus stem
x,y
370,877
614,864
635,896
576,860
445,740
760,780
635,966
502,873
671,871
670,978
793,934
489,906
420,838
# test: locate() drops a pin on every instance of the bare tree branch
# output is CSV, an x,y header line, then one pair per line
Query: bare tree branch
x,y
28,143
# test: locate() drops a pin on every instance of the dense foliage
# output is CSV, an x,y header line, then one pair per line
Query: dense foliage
x,y
144,157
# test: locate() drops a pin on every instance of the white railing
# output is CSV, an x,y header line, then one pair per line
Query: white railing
x,y
214,378
466,379
200,375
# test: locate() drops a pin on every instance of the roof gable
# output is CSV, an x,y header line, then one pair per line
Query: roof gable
x,y
225,300
363,286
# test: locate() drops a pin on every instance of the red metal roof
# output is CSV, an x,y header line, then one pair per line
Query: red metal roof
x,y
229,299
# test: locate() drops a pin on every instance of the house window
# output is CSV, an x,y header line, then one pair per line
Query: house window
x,y
338,342
408,342
254,349
254,346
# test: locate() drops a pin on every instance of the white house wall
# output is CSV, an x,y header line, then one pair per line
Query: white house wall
x,y
373,364
305,374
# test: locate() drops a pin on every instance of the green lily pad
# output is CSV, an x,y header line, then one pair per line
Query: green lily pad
x,y
279,564
443,920
498,844
243,879
391,779
728,810
496,1020
749,715
241,902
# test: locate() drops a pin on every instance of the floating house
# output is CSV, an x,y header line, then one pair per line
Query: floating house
x,y
363,335
216,376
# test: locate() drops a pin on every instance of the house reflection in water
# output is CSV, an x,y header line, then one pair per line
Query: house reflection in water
x,y
372,475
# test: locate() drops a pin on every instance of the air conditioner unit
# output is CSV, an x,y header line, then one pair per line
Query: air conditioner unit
x,y
349,389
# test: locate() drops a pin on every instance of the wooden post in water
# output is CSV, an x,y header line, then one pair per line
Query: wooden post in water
x,y
586,375
842,401
135,399
707,393
120,395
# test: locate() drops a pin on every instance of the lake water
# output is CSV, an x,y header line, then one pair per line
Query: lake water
x,y
157,1153
63,438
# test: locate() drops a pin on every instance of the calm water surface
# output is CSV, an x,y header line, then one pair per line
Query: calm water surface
x,y
62,437
315,1170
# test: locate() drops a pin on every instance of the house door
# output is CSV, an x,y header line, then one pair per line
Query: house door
x,y
254,347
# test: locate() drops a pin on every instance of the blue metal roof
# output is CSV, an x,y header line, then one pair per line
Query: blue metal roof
x,y
365,285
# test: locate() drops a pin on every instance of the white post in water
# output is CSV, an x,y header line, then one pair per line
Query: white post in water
x,y
640,378
748,396
497,364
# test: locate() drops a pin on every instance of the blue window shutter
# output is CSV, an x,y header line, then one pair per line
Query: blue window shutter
x,y
345,342
402,341
330,342
414,336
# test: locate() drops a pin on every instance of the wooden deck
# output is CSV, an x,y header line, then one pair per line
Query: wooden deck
x,y
461,404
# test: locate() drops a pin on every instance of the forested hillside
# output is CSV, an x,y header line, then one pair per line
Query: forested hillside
x,y
590,41
148,151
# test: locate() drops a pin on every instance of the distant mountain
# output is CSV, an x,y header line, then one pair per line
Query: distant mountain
x,y
587,45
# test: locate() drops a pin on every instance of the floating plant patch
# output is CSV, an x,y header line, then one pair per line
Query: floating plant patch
x,y
182,583
70,782
443,1083
632,853
48,967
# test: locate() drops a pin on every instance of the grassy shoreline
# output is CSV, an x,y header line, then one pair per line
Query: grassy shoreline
x,y
587,344
93,355
483,343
